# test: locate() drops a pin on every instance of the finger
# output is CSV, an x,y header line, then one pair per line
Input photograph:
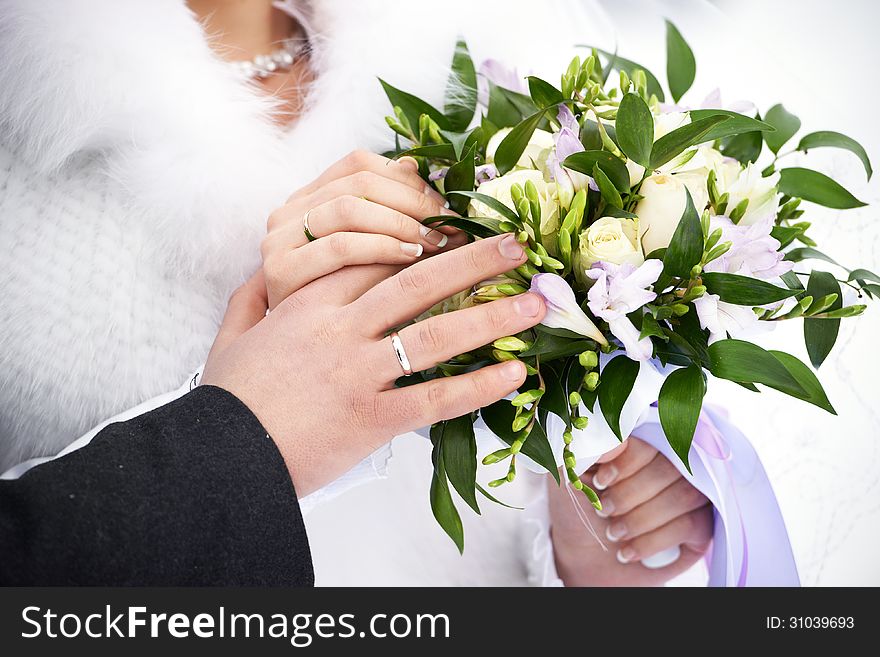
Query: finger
x,y
356,214
625,464
613,453
418,287
679,498
247,306
384,191
287,272
423,404
693,530
629,493
405,170
439,338
344,286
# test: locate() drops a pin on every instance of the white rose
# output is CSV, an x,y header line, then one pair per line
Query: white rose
x,y
499,188
663,204
534,156
609,239
761,192
666,123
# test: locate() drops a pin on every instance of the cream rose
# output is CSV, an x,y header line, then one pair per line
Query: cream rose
x,y
499,188
535,155
748,183
663,204
610,239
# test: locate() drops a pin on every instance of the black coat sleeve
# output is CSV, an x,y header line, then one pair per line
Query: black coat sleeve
x,y
192,493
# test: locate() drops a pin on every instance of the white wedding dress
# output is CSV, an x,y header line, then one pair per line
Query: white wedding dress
x,y
136,174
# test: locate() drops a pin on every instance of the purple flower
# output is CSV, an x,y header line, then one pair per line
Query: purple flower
x,y
722,318
566,142
438,174
484,173
753,251
618,291
491,70
563,310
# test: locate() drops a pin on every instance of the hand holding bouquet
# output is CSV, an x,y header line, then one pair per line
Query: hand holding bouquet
x,y
654,236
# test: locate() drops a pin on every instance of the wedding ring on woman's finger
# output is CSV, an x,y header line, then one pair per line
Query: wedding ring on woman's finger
x,y
400,352
308,233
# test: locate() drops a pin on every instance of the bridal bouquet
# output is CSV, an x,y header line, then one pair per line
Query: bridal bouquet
x,y
653,235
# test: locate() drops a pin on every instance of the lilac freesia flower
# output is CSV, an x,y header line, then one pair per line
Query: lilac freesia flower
x,y
484,173
491,70
721,318
618,291
438,174
566,142
753,251
563,310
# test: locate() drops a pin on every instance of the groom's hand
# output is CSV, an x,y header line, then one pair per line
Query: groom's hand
x,y
319,370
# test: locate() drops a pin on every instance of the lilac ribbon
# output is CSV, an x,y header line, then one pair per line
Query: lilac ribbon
x,y
750,546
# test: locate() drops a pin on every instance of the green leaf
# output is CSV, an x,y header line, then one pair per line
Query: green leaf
x,y
821,334
736,124
686,248
413,107
679,406
618,63
592,140
550,347
618,378
555,398
458,444
816,187
786,125
460,140
863,275
512,146
493,203
813,391
681,67
651,326
744,362
680,139
785,234
460,177
635,128
507,107
611,165
492,498
443,507
744,148
828,138
461,89
477,226
744,290
499,416
543,93
809,253
438,151
606,188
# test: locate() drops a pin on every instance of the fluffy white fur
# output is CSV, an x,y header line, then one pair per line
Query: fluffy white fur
x,y
136,174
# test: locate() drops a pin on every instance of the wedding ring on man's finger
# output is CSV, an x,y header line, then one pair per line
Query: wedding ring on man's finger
x,y
399,351
308,233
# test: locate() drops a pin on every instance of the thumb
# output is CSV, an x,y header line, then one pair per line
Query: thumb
x,y
247,307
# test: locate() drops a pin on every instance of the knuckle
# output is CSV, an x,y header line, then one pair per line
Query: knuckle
x,y
402,224
498,318
345,206
276,219
413,280
438,399
363,182
339,245
481,386
431,337
474,260
357,159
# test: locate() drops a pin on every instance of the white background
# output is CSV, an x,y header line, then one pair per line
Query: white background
x,y
820,58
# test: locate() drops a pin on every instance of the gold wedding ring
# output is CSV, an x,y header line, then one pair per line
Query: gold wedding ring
x,y
308,233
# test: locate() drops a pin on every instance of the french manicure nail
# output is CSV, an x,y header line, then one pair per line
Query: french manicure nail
x,y
615,531
510,248
527,305
434,237
607,508
409,161
604,477
626,555
414,250
512,370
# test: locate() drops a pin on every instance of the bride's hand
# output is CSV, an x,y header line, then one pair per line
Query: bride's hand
x,y
366,209
648,507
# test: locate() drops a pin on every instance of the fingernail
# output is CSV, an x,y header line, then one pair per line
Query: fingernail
x,y
512,370
527,305
445,210
434,237
606,510
414,250
409,161
625,555
510,248
604,477
616,530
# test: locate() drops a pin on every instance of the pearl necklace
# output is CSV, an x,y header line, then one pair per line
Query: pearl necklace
x,y
281,59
